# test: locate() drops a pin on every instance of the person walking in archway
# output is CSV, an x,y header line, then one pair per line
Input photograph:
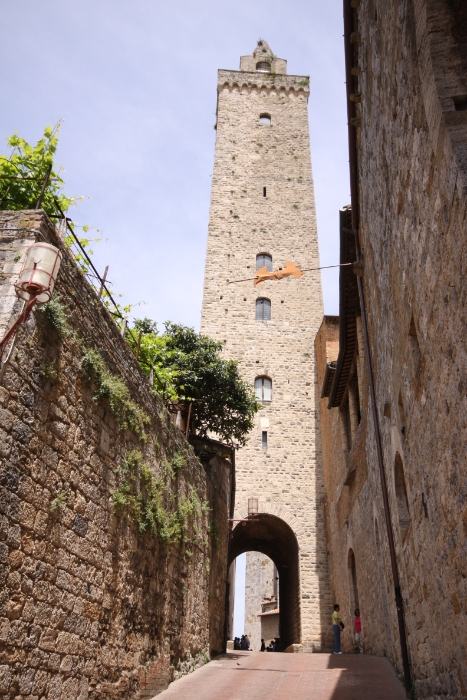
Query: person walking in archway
x,y
337,626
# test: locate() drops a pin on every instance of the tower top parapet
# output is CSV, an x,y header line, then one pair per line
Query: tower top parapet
x,y
262,60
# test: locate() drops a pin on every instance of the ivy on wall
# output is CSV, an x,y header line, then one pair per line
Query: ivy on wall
x,y
149,501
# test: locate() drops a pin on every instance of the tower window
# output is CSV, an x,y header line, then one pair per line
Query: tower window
x,y
265,119
263,388
264,192
263,67
263,309
264,439
264,260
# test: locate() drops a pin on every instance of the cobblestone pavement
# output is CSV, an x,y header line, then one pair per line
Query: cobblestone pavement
x,y
256,675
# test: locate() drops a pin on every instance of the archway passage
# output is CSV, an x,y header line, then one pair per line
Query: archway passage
x,y
272,536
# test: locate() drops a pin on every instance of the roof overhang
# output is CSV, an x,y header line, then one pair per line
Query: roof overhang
x,y
348,305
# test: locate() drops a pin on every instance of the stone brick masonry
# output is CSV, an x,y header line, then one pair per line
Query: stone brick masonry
x,y
412,141
262,201
89,608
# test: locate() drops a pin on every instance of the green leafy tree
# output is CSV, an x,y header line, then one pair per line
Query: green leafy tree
x,y
22,174
188,367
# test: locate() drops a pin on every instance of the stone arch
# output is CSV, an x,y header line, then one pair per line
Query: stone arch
x,y
273,536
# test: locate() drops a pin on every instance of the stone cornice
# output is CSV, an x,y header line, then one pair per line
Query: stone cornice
x,y
243,80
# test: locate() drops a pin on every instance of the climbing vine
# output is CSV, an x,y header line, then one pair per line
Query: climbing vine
x,y
149,501
110,387
126,411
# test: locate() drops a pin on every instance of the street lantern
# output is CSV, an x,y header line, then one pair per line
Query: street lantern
x,y
39,273
35,283
252,507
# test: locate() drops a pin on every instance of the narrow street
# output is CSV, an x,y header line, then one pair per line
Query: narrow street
x,y
256,675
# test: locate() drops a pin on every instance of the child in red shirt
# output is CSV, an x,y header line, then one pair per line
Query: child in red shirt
x,y
358,630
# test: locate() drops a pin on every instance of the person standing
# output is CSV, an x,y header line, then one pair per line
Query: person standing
x,y
358,630
263,645
337,626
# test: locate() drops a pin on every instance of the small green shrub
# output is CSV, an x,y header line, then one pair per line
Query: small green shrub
x,y
178,462
55,313
59,503
49,370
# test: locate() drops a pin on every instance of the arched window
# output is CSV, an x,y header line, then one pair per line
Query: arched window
x,y
263,388
263,67
353,589
264,260
265,119
401,496
263,309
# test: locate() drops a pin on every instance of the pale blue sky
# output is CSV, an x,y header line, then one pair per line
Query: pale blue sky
x,y
135,83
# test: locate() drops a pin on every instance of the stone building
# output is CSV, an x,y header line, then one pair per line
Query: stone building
x,y
407,97
261,599
91,604
263,215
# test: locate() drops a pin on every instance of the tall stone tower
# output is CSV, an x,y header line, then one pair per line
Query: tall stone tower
x,y
263,214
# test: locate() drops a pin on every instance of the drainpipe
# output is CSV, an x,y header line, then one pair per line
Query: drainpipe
x,y
231,515
353,165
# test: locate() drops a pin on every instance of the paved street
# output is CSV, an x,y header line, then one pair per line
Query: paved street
x,y
255,675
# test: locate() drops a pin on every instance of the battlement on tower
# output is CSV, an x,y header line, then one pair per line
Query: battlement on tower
x,y
263,71
270,82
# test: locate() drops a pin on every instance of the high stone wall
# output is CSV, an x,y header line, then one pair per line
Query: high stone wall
x,y
88,605
412,141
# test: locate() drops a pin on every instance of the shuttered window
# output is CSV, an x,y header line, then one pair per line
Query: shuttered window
x,y
263,388
263,309
263,260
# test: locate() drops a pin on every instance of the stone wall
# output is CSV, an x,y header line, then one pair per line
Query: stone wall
x,y
412,141
262,201
90,606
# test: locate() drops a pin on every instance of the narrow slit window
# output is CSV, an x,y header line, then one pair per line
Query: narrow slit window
x,y
265,119
264,192
263,309
264,260
401,496
264,439
263,388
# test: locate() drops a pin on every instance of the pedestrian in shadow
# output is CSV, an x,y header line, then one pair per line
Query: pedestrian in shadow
x,y
263,645
358,630
337,626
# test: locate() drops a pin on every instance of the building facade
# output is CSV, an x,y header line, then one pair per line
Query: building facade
x,y
407,226
261,600
262,214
